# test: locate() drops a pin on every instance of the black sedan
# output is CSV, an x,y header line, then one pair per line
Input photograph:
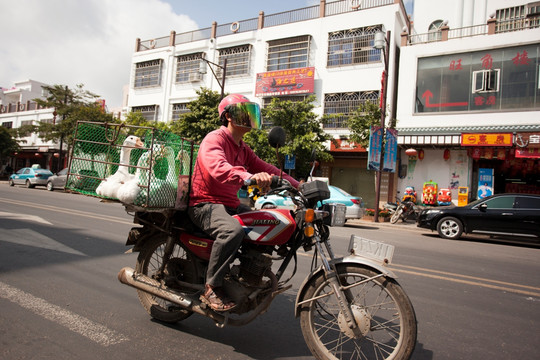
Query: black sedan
x,y
500,214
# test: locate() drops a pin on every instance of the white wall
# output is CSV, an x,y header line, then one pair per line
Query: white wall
x,y
451,173
459,13
407,83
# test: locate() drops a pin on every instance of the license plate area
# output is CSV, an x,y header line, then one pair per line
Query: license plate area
x,y
371,249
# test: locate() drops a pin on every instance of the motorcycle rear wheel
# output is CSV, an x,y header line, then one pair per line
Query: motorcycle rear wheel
x,y
395,217
382,310
148,263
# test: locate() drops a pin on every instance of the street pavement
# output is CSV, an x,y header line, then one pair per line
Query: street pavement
x,y
409,224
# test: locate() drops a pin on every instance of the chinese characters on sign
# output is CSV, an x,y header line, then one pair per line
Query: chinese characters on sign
x,y
390,151
375,148
456,65
521,59
285,82
494,139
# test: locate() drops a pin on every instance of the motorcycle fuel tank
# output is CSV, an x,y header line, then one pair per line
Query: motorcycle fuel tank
x,y
267,227
264,227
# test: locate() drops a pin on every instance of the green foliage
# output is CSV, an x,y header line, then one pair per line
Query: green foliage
x,y
71,105
202,118
7,143
366,115
137,119
304,133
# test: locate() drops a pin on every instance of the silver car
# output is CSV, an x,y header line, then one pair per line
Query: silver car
x,y
58,180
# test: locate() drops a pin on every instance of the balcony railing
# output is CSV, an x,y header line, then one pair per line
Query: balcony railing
x,y
282,18
492,27
19,107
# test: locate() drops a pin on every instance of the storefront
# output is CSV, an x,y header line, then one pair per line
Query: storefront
x,y
454,161
515,166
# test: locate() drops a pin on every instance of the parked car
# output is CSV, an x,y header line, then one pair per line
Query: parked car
x,y
58,180
500,214
30,176
354,204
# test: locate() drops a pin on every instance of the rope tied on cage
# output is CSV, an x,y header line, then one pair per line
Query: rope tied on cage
x,y
114,132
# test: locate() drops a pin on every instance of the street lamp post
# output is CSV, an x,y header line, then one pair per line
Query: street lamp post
x,y
382,43
202,70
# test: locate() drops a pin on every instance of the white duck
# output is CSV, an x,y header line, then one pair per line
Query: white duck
x,y
109,186
128,192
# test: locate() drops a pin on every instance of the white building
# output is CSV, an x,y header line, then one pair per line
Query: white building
x,y
469,95
18,108
325,50
451,83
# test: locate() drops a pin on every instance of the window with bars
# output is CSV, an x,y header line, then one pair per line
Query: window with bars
x,y
238,58
342,105
148,73
178,109
187,65
354,46
7,124
149,112
288,53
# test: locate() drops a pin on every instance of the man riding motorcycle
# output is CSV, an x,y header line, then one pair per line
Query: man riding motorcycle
x,y
223,164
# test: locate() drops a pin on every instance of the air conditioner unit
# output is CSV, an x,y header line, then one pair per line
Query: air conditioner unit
x,y
194,77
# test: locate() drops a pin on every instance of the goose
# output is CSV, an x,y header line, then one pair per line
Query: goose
x,y
109,186
129,190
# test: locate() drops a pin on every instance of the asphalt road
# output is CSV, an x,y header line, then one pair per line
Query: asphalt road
x,y
59,297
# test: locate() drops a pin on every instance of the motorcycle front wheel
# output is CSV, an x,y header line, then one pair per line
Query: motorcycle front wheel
x,y
395,217
383,312
149,263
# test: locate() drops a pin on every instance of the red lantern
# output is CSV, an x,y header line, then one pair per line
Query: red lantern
x,y
446,154
411,152
421,154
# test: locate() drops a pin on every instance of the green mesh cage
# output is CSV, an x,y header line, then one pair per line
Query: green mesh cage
x,y
139,166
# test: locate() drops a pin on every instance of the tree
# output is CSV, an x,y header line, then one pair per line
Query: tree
x,y
137,119
7,143
304,133
366,115
71,105
202,118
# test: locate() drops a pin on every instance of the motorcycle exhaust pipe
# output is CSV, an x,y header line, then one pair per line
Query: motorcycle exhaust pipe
x,y
151,286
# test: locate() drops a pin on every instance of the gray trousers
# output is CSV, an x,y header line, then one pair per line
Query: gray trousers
x,y
216,221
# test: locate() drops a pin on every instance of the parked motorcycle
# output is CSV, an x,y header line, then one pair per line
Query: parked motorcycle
x,y
405,209
349,307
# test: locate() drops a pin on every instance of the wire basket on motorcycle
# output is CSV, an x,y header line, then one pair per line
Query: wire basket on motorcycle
x,y
136,165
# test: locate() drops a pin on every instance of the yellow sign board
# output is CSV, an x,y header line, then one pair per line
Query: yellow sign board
x,y
488,139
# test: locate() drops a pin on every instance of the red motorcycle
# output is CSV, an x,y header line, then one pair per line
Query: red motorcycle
x,y
349,308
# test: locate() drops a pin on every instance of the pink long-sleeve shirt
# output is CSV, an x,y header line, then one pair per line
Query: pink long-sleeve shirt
x,y
221,168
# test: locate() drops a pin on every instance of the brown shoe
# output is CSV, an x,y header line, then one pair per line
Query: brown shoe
x,y
217,299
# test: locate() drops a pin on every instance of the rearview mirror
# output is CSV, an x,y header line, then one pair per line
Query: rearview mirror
x,y
277,137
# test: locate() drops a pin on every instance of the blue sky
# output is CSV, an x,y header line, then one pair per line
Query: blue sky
x,y
91,42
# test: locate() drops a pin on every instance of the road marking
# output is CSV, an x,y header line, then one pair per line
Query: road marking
x,y
68,211
453,277
24,217
76,323
481,282
30,237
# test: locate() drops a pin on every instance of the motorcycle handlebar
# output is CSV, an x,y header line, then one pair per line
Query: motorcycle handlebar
x,y
274,184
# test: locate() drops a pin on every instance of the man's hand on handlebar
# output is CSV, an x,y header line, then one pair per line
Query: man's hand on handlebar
x,y
263,180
